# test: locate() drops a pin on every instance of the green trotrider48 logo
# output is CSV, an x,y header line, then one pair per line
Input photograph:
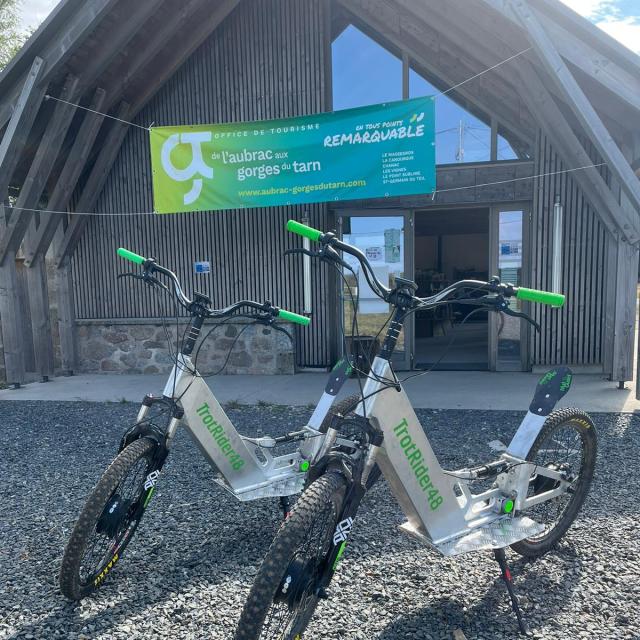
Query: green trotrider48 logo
x,y
217,431
416,460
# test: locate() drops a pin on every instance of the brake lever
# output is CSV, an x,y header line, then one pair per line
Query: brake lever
x,y
306,252
153,281
498,304
130,275
145,277
326,254
519,314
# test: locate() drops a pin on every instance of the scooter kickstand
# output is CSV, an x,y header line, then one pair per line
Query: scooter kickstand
x,y
285,505
501,558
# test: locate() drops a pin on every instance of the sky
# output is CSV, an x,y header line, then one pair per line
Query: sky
x,y
619,18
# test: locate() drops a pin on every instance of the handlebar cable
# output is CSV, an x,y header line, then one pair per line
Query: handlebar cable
x,y
356,332
420,373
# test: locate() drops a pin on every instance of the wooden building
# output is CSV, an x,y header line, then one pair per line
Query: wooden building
x,y
565,98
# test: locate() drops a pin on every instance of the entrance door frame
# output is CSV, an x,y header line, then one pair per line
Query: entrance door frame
x,y
494,252
405,362
409,246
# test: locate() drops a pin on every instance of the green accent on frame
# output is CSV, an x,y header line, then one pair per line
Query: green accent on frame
x,y
149,496
340,554
304,466
508,505
377,151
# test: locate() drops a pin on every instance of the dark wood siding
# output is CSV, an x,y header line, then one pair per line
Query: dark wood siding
x,y
267,60
573,334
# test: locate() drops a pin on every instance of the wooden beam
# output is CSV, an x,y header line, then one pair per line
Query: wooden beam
x,y
430,54
483,46
17,132
576,50
552,121
624,319
178,52
137,15
11,147
67,181
57,52
39,172
66,310
588,31
10,318
619,82
559,73
93,186
30,194
153,46
38,292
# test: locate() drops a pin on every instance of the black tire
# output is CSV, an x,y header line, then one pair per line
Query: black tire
x,y
80,575
316,512
346,407
571,431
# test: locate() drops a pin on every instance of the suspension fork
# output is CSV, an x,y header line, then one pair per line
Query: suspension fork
x,y
162,438
353,498
356,489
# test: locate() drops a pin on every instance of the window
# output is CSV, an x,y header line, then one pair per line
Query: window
x,y
505,150
460,136
364,72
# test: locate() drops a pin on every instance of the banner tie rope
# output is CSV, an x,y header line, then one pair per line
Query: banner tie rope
x,y
471,186
437,95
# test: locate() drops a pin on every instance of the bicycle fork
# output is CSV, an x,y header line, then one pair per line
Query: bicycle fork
x,y
355,493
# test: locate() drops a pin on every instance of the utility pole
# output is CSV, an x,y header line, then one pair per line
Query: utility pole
x,y
460,154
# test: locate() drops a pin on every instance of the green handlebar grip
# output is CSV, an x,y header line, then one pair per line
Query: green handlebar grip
x,y
544,297
294,317
303,230
129,255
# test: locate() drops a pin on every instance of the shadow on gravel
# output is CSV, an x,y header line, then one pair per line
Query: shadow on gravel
x,y
207,565
491,614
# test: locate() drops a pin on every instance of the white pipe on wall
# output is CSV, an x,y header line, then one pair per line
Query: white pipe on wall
x,y
556,259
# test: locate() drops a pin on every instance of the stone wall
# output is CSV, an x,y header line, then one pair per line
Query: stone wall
x,y
142,348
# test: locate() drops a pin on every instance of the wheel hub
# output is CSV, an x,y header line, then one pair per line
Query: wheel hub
x,y
298,579
114,513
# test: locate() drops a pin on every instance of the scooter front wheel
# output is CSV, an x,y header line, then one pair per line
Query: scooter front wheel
x,y
108,520
284,594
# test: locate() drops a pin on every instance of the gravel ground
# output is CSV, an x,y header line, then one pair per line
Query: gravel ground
x,y
188,570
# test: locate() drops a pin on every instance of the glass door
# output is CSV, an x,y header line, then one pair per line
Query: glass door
x,y
509,335
386,238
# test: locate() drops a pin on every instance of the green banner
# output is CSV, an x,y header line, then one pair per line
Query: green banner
x,y
371,152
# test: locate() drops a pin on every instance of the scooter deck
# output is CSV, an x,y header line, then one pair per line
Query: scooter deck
x,y
497,534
